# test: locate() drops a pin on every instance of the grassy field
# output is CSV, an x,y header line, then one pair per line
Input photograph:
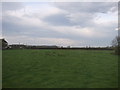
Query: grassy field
x,y
59,69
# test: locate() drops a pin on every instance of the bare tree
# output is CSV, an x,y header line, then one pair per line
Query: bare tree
x,y
116,41
116,44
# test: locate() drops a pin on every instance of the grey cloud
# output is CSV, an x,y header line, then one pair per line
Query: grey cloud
x,y
12,5
82,20
91,7
12,28
86,11
58,19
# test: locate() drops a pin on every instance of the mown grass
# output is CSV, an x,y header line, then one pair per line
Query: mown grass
x,y
59,69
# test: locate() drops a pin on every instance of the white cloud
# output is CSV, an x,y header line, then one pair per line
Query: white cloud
x,y
42,11
36,22
86,22
106,18
41,41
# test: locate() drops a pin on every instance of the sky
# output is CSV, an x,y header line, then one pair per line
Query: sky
x,y
60,23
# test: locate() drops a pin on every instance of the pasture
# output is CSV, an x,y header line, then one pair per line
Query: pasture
x,y
59,69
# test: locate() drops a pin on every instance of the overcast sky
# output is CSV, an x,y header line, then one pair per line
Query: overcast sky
x,y
63,24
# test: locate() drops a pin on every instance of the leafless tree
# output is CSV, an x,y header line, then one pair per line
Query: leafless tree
x,y
116,41
116,44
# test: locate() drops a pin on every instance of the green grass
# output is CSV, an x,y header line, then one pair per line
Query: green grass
x,y
59,69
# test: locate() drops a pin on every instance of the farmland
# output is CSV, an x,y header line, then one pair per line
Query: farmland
x,y
59,69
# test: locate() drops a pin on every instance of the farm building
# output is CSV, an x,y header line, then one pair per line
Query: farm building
x,y
3,44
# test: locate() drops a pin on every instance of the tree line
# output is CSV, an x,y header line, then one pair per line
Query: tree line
x,y
115,45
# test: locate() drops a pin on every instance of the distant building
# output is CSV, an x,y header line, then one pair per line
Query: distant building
x,y
17,46
3,44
